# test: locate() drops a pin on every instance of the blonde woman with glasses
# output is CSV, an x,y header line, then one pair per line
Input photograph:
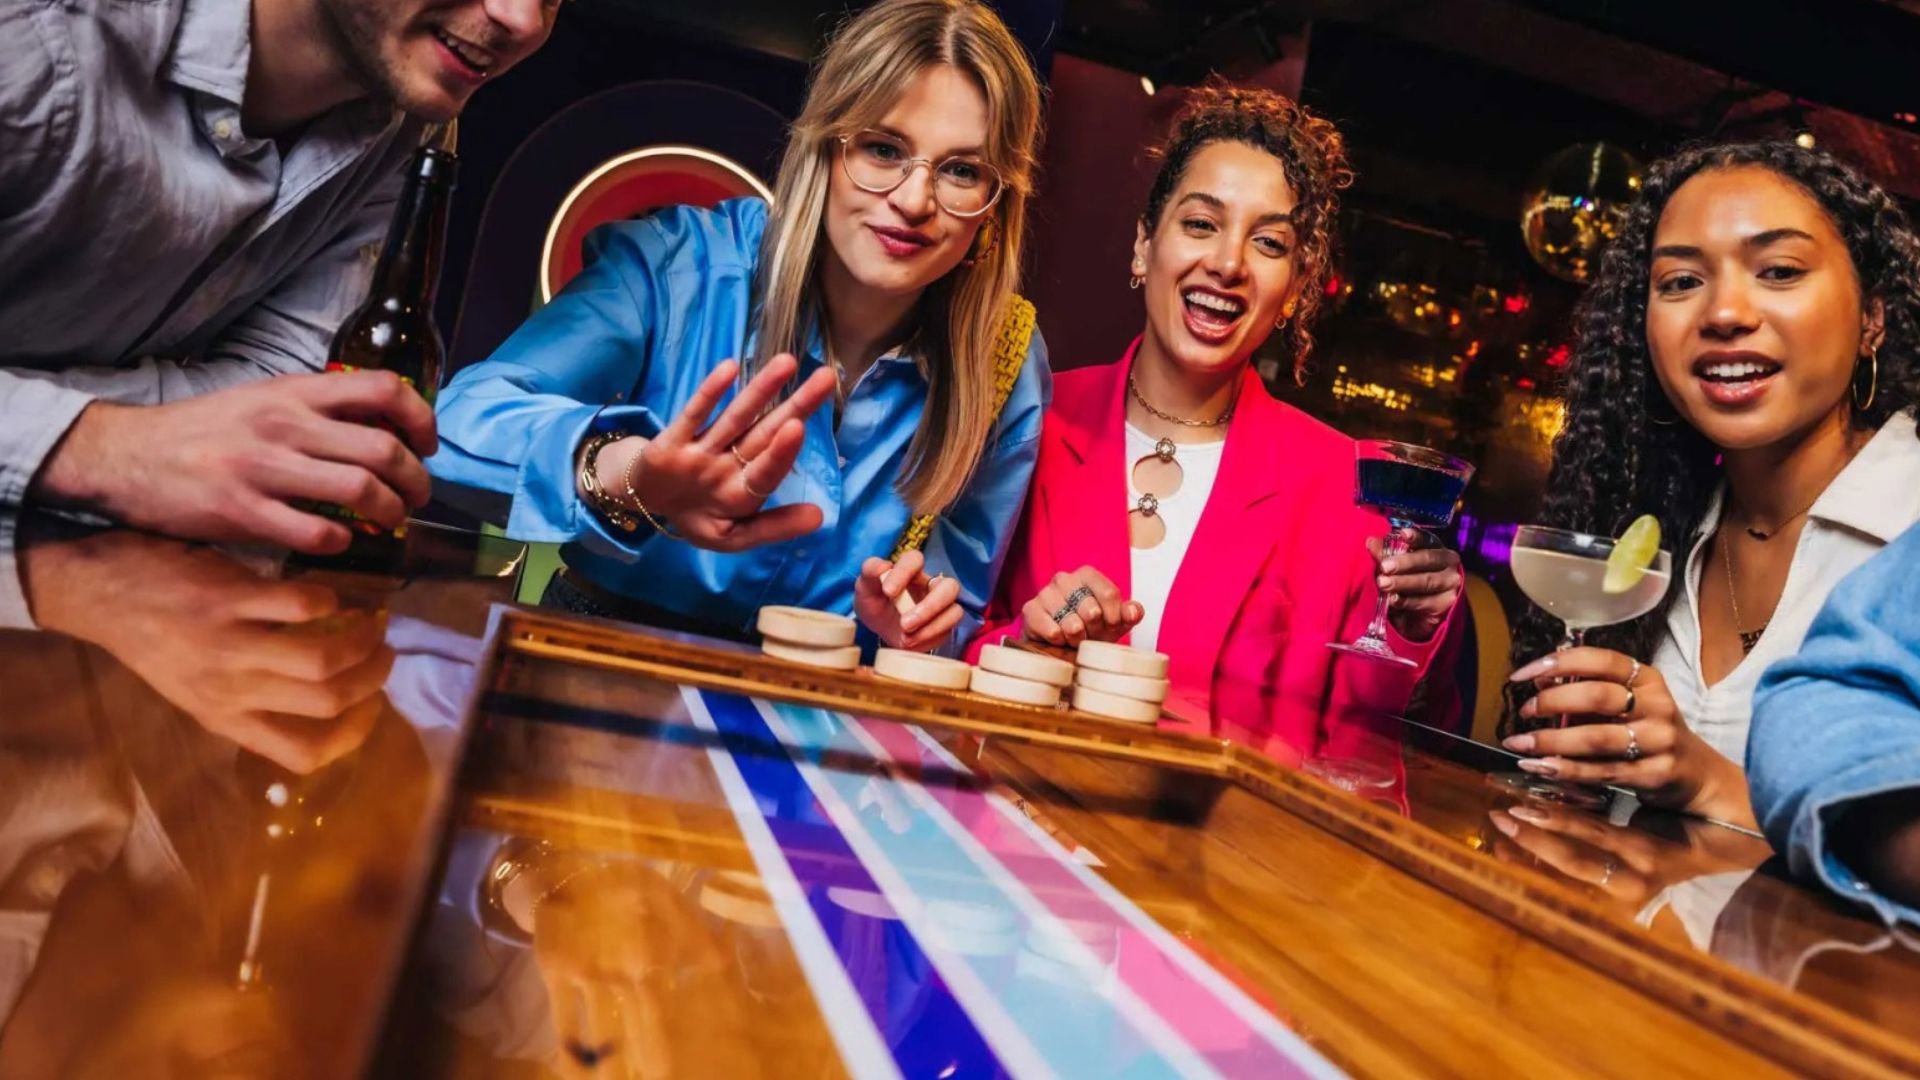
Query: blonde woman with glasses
x,y
827,402
1176,505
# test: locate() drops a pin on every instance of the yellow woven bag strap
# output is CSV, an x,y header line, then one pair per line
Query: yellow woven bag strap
x,y
1009,356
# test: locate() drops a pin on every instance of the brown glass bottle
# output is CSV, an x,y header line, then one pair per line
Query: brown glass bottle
x,y
394,329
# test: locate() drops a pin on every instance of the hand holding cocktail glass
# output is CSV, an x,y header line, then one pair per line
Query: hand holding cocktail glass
x,y
1416,488
1636,736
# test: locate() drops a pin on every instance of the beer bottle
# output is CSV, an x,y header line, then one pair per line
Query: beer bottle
x,y
394,329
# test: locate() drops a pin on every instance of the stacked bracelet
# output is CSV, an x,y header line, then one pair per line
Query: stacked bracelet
x,y
626,477
602,500
597,497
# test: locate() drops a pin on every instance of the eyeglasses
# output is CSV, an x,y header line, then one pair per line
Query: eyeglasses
x,y
877,162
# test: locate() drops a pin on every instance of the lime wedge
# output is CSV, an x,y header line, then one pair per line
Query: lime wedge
x,y
1632,554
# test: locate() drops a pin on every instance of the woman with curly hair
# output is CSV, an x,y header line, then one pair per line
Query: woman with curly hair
x,y
1744,370
1176,505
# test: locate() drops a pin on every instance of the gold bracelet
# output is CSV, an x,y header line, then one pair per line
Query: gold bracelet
x,y
633,497
597,497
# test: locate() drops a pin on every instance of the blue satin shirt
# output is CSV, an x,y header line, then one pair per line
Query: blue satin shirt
x,y
661,302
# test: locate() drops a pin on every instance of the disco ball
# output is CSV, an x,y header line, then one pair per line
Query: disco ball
x,y
1575,204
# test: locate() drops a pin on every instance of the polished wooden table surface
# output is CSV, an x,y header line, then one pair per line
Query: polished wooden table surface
x,y
557,847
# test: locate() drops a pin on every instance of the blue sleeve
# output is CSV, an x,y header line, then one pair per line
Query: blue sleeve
x,y
1840,721
970,540
598,357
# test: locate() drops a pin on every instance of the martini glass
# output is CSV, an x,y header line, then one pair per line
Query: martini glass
x,y
1566,573
1415,487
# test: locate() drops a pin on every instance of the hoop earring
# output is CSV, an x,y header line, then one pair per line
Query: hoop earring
x,y
1873,381
1136,281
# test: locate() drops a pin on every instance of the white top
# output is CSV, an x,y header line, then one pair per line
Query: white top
x,y
1874,499
1154,567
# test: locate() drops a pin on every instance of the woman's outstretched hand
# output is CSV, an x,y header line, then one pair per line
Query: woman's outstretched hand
x,y
708,481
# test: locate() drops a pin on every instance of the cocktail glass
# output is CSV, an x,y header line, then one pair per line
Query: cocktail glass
x,y
1415,487
1566,574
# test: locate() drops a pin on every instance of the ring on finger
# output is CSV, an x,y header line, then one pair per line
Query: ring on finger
x,y
739,457
1606,872
751,490
1633,673
1627,709
1633,742
1073,603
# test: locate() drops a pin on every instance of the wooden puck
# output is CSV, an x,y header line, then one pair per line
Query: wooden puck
x,y
1011,688
1122,660
1021,664
839,658
805,626
1127,686
922,669
1114,707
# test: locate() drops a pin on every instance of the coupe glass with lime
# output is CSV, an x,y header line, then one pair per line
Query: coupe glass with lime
x,y
1588,581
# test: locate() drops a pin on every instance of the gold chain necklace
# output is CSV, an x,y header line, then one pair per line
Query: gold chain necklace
x,y
1134,389
1748,638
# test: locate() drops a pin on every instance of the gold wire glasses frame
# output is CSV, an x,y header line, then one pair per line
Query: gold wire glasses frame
x,y
876,162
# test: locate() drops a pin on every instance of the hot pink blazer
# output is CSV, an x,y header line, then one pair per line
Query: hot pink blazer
x,y
1277,568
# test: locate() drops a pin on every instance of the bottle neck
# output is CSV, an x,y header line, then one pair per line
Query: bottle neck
x,y
409,266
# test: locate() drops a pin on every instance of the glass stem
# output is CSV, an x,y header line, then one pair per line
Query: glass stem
x,y
1575,638
1396,545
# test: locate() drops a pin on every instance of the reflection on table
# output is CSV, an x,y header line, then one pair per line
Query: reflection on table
x,y
283,821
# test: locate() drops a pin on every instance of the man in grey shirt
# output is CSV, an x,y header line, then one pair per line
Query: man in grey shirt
x,y
192,194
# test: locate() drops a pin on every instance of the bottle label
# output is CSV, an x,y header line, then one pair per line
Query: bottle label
x,y
335,367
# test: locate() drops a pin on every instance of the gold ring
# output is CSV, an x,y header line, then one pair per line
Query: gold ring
x,y
1633,673
750,488
1628,709
1633,741
735,451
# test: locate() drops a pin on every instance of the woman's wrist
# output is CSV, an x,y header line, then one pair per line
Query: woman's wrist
x,y
593,489
1722,794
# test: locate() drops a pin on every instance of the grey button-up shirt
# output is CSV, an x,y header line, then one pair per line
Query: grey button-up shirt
x,y
149,249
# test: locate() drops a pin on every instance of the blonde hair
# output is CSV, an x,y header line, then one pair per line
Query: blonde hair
x,y
866,68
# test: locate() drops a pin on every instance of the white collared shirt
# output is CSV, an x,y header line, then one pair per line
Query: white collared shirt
x,y
1874,499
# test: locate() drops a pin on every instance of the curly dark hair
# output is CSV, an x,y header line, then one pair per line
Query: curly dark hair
x,y
1313,155
1613,460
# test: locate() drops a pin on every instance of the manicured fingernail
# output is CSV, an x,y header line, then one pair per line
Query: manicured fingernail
x,y
1532,671
1530,707
1541,766
1528,814
1384,581
1503,823
1520,744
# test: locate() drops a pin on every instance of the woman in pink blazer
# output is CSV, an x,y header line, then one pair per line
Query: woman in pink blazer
x,y
1179,506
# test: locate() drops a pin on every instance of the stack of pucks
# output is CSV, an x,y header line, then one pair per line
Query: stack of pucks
x,y
1120,683
1021,676
806,636
922,669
